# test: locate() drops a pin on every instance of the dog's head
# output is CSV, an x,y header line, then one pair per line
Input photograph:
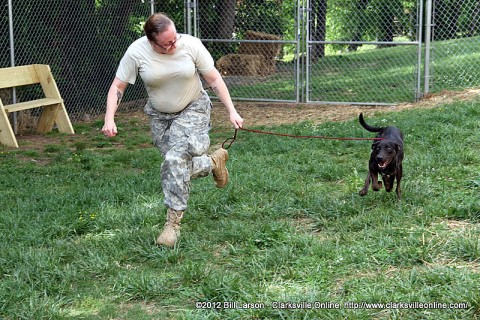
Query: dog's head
x,y
385,152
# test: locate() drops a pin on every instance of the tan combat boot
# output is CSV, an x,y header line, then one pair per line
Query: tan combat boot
x,y
171,230
220,173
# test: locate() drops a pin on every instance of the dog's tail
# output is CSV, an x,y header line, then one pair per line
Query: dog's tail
x,y
368,127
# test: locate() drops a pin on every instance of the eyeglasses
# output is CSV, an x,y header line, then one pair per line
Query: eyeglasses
x,y
170,44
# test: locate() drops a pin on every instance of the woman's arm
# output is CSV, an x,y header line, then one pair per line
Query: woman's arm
x,y
215,80
115,94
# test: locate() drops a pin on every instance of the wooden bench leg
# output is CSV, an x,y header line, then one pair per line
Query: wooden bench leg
x,y
47,119
7,137
55,114
63,121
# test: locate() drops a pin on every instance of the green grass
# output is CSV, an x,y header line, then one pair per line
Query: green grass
x,y
80,217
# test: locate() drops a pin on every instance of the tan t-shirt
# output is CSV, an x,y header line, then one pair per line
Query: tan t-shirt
x,y
172,81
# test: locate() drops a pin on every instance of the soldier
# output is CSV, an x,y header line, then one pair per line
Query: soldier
x,y
178,108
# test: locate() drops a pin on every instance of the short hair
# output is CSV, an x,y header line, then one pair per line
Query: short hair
x,y
155,24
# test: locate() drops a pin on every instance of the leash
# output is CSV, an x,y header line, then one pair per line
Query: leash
x,y
228,142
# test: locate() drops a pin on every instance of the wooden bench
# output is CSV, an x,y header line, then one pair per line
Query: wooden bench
x,y
53,112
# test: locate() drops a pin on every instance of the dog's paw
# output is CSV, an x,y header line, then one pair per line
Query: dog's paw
x,y
377,187
362,192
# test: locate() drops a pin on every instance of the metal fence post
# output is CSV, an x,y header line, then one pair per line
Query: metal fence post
x,y
152,6
195,18
306,61
191,17
418,93
12,60
187,24
302,52
428,35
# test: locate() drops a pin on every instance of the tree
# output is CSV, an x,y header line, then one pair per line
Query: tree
x,y
226,12
358,27
447,14
318,28
386,16
226,24
217,22
473,26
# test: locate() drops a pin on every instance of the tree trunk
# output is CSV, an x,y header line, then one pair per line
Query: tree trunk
x,y
387,27
318,28
226,24
446,19
474,22
358,33
226,16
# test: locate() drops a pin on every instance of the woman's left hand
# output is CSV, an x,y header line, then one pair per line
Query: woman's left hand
x,y
236,120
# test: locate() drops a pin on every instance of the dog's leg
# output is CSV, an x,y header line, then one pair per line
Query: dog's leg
x,y
399,177
388,182
364,190
376,185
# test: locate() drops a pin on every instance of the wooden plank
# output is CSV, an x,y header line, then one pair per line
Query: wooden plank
x,y
47,119
50,89
7,137
18,76
47,81
63,121
32,104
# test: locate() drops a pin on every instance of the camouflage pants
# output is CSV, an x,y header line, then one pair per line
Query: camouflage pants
x,y
183,141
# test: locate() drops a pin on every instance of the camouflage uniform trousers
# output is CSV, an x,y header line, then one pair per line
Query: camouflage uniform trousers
x,y
183,141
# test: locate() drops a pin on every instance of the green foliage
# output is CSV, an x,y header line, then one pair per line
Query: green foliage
x,y
262,16
79,222
363,20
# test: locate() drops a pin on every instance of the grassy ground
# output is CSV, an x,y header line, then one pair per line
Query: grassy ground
x,y
80,217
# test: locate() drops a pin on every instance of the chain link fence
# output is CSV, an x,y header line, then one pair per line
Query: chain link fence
x,y
82,41
254,44
315,51
366,51
456,45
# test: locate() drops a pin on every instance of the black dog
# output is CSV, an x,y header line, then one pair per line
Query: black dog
x,y
386,158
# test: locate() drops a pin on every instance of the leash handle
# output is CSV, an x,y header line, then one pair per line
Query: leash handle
x,y
229,141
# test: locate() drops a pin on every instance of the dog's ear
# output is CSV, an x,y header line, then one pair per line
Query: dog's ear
x,y
375,144
399,153
398,147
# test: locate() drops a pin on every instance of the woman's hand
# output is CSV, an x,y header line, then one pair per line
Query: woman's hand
x,y
109,128
236,119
